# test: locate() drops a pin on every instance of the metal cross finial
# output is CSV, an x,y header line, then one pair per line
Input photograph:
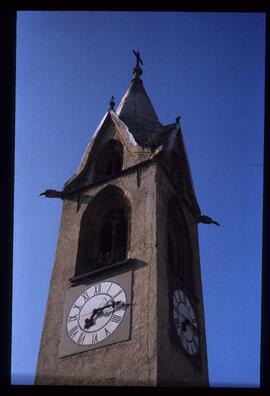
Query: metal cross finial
x,y
112,103
138,58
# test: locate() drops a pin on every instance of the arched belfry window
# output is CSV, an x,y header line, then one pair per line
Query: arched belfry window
x,y
104,229
114,236
179,244
109,159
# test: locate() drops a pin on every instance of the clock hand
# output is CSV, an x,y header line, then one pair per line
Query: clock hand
x,y
89,322
188,322
113,304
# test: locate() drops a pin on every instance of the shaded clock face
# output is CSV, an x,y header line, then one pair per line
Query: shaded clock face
x,y
96,313
185,322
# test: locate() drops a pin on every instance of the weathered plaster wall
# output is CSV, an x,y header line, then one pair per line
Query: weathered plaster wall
x,y
127,363
174,368
149,358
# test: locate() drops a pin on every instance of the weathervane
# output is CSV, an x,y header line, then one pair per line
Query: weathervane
x,y
112,103
177,120
137,71
138,58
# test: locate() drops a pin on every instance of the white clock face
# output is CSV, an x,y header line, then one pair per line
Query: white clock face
x,y
185,322
96,313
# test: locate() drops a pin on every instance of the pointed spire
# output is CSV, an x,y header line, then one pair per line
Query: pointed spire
x,y
137,111
135,108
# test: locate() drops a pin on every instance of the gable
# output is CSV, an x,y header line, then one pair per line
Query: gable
x,y
110,130
174,157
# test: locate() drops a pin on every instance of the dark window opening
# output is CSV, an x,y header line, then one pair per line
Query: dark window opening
x,y
109,160
113,165
103,236
179,249
114,238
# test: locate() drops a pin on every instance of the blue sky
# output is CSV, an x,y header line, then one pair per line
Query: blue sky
x,y
206,67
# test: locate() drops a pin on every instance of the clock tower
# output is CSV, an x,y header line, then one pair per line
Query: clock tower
x,y
125,304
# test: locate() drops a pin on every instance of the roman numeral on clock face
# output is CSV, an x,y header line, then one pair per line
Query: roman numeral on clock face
x,y
73,318
107,332
72,332
94,338
79,307
178,296
117,294
116,318
181,337
97,289
184,299
175,311
177,323
85,296
81,338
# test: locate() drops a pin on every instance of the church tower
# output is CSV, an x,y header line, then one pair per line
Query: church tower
x,y
125,304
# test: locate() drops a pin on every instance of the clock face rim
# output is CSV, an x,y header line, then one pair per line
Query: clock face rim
x,y
124,278
185,307
96,335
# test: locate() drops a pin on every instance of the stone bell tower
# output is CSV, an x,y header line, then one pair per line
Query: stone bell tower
x,y
125,304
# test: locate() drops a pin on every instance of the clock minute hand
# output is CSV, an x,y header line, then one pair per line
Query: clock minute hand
x,y
113,304
188,322
89,322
